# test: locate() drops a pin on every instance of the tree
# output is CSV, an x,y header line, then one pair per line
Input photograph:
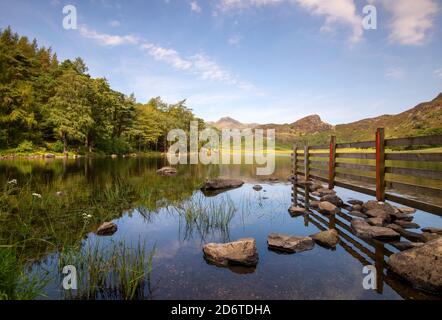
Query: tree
x,y
70,110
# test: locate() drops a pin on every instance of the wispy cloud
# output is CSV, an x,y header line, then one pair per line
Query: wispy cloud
x,y
235,40
195,7
438,73
107,39
411,20
395,73
114,23
335,12
199,64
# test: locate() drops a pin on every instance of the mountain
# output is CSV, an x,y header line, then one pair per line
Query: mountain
x,y
423,119
229,123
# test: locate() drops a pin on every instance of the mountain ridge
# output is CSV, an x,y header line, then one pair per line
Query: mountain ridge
x,y
425,118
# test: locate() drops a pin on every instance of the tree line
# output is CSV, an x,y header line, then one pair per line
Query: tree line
x,y
50,105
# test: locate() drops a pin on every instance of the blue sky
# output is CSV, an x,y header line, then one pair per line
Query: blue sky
x,y
254,60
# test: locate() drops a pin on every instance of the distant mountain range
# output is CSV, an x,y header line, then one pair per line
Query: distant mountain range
x,y
424,119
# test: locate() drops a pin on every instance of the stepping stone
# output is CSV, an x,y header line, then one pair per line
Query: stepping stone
x,y
363,229
289,244
328,239
242,252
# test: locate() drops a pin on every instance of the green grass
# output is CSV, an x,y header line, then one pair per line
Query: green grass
x,y
118,271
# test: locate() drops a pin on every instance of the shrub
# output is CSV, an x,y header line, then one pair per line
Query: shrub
x,y
25,146
58,147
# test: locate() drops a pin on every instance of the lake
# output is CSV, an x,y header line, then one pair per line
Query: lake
x,y
172,219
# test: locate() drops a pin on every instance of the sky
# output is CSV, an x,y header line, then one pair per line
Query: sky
x,y
258,61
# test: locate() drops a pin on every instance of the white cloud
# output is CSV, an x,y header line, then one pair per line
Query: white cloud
x,y
114,23
235,40
395,73
336,12
438,73
411,20
199,64
195,7
108,40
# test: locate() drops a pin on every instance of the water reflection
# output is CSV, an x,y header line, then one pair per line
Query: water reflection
x,y
175,216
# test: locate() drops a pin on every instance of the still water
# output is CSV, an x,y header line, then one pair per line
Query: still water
x,y
155,210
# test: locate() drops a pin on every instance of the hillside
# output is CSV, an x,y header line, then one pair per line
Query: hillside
x,y
424,119
229,123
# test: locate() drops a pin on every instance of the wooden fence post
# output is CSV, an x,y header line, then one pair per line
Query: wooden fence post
x,y
332,163
306,163
380,164
295,161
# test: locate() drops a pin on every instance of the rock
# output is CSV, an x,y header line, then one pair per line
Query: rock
x,y
402,216
358,214
167,171
297,211
357,207
316,194
378,213
273,179
327,239
405,245
219,184
289,244
378,222
355,202
114,156
432,230
60,194
49,156
407,225
316,186
370,205
420,266
412,236
241,252
363,229
328,208
257,187
325,191
430,236
333,199
315,204
407,210
107,229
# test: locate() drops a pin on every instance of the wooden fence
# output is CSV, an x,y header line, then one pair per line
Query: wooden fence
x,y
369,167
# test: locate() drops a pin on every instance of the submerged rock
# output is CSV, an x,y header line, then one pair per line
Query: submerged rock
x,y
220,184
328,208
107,229
257,187
327,239
289,244
167,171
363,229
420,266
242,252
412,236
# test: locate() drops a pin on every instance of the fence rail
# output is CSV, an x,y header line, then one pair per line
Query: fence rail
x,y
372,163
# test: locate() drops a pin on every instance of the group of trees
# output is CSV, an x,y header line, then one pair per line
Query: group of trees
x,y
60,107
